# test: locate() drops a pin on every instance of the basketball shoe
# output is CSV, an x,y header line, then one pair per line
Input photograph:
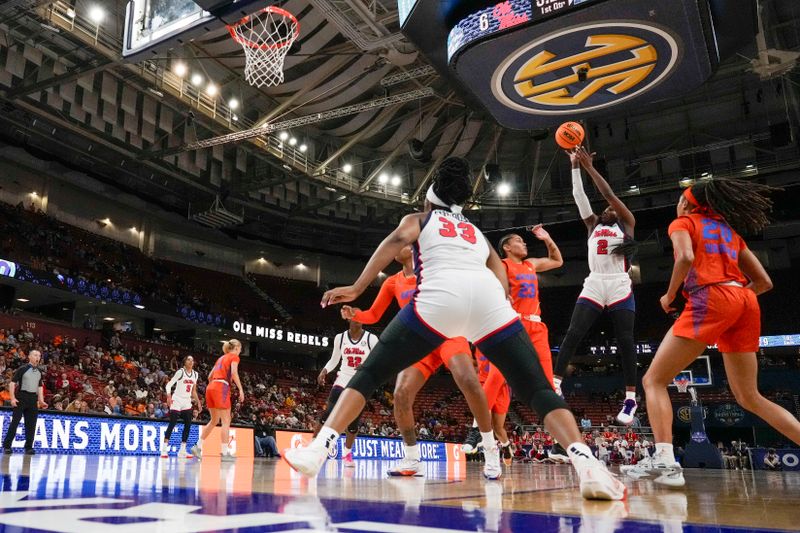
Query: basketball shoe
x,y
407,467
491,468
508,457
470,445
669,472
348,460
596,482
625,416
182,453
196,451
307,460
164,451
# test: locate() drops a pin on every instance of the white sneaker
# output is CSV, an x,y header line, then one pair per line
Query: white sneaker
x,y
164,451
407,467
597,483
196,451
625,416
670,473
307,460
227,457
492,469
559,458
182,453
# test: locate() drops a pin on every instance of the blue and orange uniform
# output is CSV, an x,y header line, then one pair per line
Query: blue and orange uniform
x,y
402,288
524,284
218,392
719,310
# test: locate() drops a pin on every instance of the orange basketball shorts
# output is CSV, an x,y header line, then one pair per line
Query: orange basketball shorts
x,y
218,395
727,316
442,355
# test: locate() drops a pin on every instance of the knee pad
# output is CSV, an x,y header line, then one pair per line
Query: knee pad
x,y
364,382
545,400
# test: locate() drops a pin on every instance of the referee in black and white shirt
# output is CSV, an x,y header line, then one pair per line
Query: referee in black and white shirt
x,y
27,396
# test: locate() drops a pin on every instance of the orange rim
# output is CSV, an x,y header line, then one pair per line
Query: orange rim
x,y
269,9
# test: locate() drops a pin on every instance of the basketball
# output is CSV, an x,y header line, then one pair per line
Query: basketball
x,y
569,135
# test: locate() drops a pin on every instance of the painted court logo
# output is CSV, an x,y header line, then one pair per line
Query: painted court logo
x,y
585,68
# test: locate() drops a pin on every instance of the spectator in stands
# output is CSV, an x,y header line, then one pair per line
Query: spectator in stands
x,y
772,461
265,439
586,422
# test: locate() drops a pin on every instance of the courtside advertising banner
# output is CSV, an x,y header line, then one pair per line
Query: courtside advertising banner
x,y
70,434
383,448
790,458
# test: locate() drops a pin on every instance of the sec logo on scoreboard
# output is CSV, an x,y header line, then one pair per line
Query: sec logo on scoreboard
x,y
586,68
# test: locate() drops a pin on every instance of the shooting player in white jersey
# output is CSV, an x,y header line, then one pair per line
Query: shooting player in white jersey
x,y
608,287
185,383
351,348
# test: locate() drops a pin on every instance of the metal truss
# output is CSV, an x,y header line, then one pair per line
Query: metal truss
x,y
412,74
266,129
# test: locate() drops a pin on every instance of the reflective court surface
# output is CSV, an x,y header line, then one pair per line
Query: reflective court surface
x,y
88,494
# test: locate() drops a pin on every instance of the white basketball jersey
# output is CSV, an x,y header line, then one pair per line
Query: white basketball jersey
x,y
352,355
184,385
602,241
448,242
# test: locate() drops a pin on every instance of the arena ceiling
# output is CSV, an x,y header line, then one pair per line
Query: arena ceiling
x,y
69,96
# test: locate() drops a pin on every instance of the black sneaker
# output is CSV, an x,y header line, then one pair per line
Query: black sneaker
x,y
505,453
470,445
30,451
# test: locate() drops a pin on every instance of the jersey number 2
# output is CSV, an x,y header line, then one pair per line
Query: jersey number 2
x,y
353,362
602,247
449,230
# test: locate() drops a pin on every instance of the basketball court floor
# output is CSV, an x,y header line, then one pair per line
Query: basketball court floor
x,y
88,494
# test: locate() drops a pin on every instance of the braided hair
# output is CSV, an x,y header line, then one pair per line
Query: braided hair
x,y
743,204
452,181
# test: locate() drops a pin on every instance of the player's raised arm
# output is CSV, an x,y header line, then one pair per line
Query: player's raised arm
x,y
624,214
405,233
581,200
553,259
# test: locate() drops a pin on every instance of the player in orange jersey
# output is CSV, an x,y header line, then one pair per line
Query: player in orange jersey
x,y
455,354
524,284
721,278
218,397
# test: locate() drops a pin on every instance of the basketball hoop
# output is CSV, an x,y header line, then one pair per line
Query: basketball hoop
x,y
682,383
266,37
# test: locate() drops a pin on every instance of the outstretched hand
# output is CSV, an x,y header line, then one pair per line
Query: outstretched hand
x,y
339,295
349,313
539,232
585,159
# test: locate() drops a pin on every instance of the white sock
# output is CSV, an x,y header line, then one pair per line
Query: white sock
x,y
474,423
557,382
630,395
224,450
578,451
412,452
345,451
488,440
326,438
665,451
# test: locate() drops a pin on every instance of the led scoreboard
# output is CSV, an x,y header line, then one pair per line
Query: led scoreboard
x,y
503,16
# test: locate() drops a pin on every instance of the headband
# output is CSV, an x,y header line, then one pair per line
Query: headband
x,y
689,195
433,198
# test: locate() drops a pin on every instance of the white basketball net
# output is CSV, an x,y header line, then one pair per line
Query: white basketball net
x,y
266,37
682,384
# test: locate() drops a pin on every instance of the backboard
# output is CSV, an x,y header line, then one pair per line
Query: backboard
x,y
699,373
154,27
